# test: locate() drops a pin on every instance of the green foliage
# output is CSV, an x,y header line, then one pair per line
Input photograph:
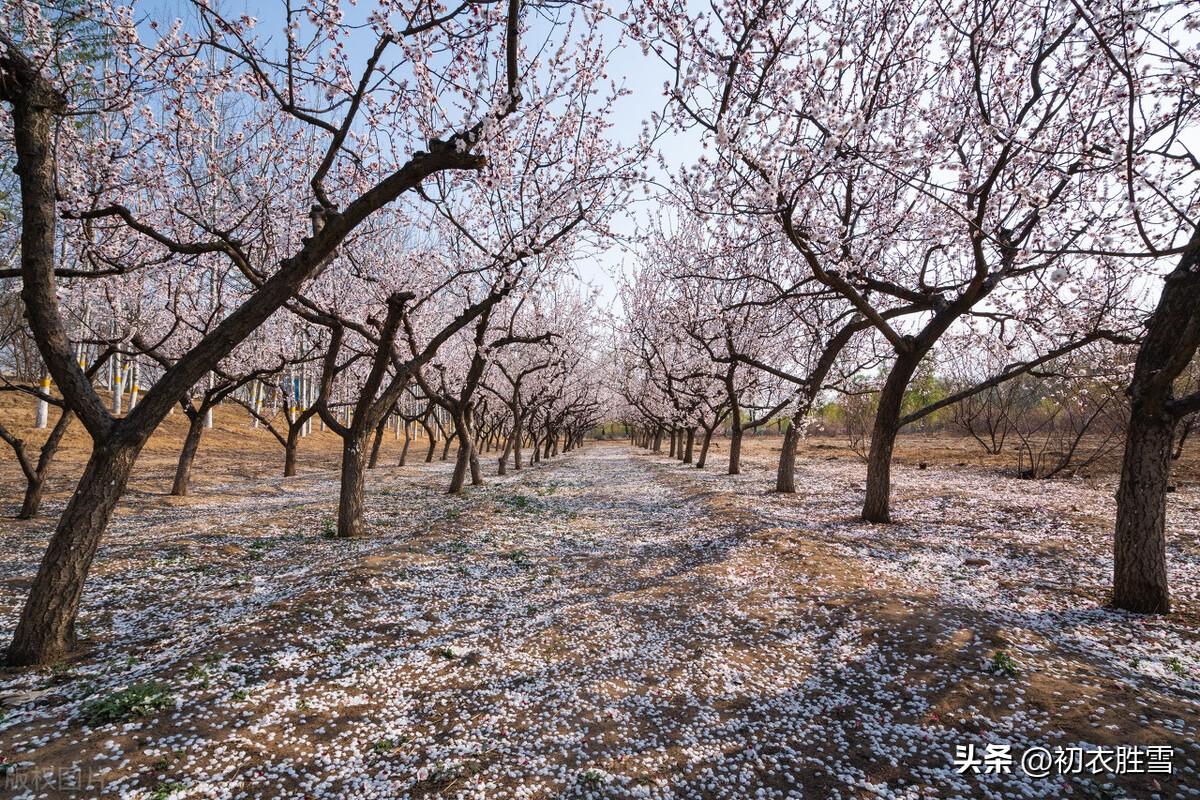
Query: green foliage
x,y
829,416
1003,664
137,700
517,501
165,789
60,672
593,777
924,389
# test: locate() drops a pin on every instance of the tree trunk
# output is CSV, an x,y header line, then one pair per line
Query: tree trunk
x,y
518,435
877,507
461,464
46,630
42,416
33,497
511,443
375,445
703,458
691,443
658,432
431,451
476,470
407,440
289,450
785,478
191,443
735,450
35,484
502,460
1171,341
350,500
1140,546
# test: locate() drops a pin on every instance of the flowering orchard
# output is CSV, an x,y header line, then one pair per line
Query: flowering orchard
x,y
307,315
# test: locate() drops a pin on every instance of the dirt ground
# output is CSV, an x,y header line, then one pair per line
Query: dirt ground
x,y
608,624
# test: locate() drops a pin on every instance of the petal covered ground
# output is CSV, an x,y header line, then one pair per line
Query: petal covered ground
x,y
611,624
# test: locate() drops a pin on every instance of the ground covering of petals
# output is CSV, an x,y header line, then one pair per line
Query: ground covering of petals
x,y
609,624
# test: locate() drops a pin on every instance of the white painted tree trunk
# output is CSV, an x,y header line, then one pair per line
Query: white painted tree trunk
x,y
118,398
208,415
292,398
43,408
256,401
135,375
305,401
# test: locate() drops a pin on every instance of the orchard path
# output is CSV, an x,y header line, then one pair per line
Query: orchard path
x,y
609,624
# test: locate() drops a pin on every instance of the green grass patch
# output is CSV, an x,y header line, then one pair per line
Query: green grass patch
x,y
137,700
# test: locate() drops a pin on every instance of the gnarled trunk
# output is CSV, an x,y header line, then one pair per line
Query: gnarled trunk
x,y
191,443
877,506
407,441
32,500
691,443
1171,342
511,446
1140,546
785,477
289,450
35,483
461,464
375,445
518,435
476,470
432,449
46,630
735,449
704,444
350,500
